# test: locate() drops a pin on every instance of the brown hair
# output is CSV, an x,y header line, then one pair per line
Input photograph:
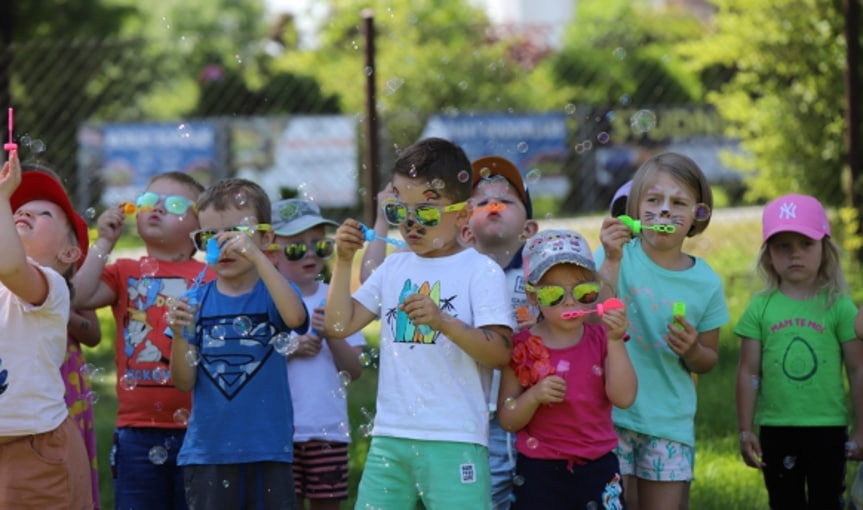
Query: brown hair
x,y
438,161
234,193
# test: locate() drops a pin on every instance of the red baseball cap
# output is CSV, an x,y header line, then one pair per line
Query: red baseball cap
x,y
39,185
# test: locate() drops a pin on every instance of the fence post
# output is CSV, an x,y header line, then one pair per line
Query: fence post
x,y
7,21
370,125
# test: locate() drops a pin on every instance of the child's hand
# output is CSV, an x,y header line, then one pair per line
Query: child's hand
x,y
549,390
240,244
349,238
750,449
613,235
10,176
179,316
422,310
855,452
308,345
316,320
616,323
110,224
681,341
385,196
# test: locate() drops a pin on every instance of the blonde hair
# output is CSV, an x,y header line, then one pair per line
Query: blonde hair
x,y
683,170
830,277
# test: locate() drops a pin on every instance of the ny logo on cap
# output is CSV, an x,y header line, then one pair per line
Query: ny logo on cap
x,y
788,211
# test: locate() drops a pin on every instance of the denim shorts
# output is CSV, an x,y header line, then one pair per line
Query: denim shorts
x,y
144,465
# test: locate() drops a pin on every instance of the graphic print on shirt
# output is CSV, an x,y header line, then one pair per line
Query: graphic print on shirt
x,y
144,343
231,358
3,375
799,361
403,329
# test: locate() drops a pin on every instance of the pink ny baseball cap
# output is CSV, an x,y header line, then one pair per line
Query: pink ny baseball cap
x,y
795,213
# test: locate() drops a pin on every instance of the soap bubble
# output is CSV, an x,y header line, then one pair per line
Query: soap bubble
x,y
158,455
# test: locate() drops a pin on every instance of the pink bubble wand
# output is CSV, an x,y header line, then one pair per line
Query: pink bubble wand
x,y
11,146
609,304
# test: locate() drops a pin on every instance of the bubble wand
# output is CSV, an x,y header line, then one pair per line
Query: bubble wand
x,y
370,235
191,294
601,308
11,146
637,227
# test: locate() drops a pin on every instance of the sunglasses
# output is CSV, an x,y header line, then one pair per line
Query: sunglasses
x,y
396,213
201,237
174,204
323,248
585,293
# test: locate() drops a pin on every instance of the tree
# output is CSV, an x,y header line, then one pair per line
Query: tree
x,y
785,101
434,56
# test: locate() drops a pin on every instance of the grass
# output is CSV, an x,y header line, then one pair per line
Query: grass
x,y
722,480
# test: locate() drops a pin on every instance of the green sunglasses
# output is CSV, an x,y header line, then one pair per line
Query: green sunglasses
x,y
585,293
174,204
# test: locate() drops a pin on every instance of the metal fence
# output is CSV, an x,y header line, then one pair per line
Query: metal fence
x,y
57,87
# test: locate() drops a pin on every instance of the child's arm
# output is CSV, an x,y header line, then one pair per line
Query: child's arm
x,y
345,356
517,405
83,326
621,384
18,275
748,381
852,353
90,291
489,345
183,373
699,351
376,250
344,315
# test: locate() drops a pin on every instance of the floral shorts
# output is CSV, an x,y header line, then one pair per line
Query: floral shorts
x,y
653,458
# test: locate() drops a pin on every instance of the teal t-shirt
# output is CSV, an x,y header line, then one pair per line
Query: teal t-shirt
x,y
801,358
666,400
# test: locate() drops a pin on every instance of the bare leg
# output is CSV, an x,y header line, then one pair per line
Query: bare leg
x,y
659,495
630,491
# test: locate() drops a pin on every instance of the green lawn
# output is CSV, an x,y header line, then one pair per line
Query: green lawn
x,y
722,481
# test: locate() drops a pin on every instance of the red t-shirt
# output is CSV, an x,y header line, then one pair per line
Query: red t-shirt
x,y
146,396
580,427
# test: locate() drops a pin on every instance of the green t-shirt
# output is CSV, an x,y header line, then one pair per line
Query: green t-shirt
x,y
801,358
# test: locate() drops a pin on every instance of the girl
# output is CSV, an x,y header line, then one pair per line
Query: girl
x,y
564,376
672,200
796,334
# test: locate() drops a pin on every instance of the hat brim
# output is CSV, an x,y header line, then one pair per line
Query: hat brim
x,y
38,185
497,165
300,225
811,233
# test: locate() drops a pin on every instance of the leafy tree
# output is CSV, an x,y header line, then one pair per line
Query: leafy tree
x,y
433,56
785,101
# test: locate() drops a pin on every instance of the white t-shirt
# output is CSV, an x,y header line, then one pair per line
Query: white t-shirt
x,y
428,387
32,348
317,392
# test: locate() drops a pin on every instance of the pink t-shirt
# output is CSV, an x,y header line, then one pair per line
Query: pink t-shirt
x,y
580,427
146,396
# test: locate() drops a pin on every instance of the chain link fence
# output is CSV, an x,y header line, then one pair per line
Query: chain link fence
x,y
64,92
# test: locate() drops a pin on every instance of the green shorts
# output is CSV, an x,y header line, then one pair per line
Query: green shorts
x,y
400,472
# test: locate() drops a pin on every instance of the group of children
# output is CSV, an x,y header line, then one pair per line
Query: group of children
x,y
518,369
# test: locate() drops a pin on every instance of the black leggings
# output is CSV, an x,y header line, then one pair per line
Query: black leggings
x,y
804,467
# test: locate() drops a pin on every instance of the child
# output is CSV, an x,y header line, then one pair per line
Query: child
x,y
444,324
651,273
152,413
238,450
42,237
564,376
318,363
795,336
501,220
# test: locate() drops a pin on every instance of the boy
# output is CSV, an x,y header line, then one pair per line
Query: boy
x,y
239,447
42,237
500,222
151,417
444,328
320,365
